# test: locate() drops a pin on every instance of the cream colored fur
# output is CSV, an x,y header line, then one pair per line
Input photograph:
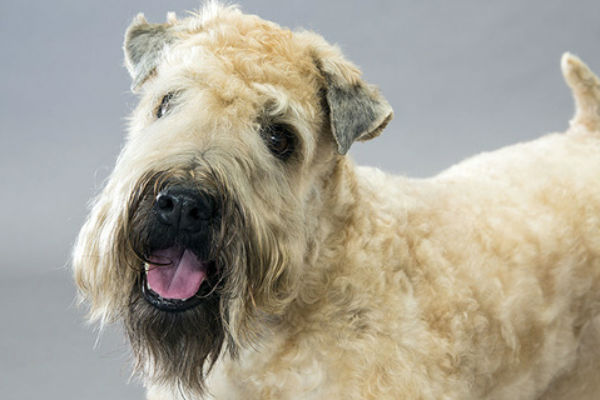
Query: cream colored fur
x,y
482,282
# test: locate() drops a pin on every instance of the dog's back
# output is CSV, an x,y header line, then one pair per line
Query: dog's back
x,y
503,258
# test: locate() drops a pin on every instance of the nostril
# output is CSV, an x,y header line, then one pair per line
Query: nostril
x,y
165,202
194,213
167,208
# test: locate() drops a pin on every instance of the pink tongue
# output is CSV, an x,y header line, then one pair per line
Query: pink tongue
x,y
175,273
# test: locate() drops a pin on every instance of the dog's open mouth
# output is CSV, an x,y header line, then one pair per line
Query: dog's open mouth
x,y
173,279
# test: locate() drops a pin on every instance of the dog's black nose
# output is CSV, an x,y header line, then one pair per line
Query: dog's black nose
x,y
184,209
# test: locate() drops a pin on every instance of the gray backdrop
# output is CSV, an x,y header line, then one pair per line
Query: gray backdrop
x,y
463,77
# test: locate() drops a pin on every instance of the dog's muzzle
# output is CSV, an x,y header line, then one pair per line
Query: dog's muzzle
x,y
178,265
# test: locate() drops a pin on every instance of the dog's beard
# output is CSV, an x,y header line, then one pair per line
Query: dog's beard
x,y
178,348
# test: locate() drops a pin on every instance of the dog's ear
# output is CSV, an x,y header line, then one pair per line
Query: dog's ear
x,y
357,111
143,46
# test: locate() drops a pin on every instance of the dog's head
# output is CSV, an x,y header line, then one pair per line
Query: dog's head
x,y
220,199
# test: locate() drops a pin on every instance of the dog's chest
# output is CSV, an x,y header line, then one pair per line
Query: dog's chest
x,y
271,373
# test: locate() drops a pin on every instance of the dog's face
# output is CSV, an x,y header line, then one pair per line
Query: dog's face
x,y
212,212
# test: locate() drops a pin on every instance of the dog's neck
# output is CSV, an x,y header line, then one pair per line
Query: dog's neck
x,y
342,218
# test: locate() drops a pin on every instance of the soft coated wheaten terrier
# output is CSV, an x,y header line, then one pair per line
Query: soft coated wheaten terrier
x,y
249,258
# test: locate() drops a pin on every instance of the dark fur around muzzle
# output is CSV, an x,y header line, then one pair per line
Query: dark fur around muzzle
x,y
177,340
192,223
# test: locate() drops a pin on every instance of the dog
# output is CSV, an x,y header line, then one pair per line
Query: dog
x,y
249,258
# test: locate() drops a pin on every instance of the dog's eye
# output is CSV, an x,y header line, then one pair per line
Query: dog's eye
x,y
280,140
165,103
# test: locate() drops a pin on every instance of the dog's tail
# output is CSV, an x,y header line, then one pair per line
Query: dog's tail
x,y
586,90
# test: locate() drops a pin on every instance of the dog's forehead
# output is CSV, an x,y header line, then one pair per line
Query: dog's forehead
x,y
242,47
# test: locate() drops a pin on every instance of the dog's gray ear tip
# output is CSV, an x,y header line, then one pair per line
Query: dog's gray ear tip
x,y
139,19
172,18
379,126
388,115
144,45
342,147
132,30
341,151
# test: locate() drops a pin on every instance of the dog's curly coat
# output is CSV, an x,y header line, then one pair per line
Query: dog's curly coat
x,y
333,281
